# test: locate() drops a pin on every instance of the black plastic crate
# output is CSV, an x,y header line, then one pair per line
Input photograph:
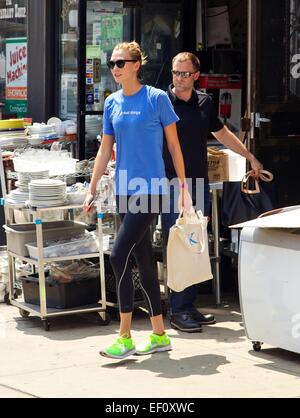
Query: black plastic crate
x,y
110,281
62,295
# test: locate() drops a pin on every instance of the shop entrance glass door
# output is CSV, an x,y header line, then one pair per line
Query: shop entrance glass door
x,y
161,39
104,24
273,107
274,68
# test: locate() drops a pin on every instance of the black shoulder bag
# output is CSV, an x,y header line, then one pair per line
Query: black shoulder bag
x,y
241,204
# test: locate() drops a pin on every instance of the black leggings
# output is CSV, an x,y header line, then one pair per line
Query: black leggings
x,y
134,238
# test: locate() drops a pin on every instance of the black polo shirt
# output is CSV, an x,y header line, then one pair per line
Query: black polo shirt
x,y
198,117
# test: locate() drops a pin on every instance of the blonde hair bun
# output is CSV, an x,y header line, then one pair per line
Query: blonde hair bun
x,y
134,50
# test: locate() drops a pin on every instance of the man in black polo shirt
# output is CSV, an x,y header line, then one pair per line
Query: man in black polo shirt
x,y
197,118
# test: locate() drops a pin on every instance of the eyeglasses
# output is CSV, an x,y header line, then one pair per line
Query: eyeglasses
x,y
183,74
118,63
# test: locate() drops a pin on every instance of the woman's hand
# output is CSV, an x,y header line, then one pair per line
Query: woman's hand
x,y
88,203
185,201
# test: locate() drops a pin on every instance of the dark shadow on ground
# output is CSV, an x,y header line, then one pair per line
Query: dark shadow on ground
x,y
282,361
67,328
168,368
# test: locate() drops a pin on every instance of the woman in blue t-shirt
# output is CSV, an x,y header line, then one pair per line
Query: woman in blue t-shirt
x,y
136,118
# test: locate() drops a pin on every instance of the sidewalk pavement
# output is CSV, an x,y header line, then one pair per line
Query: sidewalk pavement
x,y
64,362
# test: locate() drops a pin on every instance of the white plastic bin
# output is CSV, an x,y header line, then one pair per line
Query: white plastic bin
x,y
87,244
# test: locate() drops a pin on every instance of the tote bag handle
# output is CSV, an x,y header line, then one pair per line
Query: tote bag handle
x,y
264,176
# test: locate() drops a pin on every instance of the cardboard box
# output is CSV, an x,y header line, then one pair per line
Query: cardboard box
x,y
218,166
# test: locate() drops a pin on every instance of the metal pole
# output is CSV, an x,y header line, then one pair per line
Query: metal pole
x,y
100,217
41,264
250,68
249,59
216,233
2,176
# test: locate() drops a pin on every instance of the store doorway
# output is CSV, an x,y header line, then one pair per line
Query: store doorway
x,y
266,60
221,42
273,91
102,24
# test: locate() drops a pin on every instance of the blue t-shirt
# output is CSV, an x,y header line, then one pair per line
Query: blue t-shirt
x,y
137,123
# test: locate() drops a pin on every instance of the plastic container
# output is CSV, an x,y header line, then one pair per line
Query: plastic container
x,y
62,295
11,124
18,235
76,198
110,281
61,167
87,244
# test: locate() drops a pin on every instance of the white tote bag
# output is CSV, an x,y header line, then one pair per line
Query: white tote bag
x,y
188,260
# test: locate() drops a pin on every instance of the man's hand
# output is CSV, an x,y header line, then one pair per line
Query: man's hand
x,y
256,166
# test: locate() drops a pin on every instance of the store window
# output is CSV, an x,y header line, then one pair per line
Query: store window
x,y
108,23
161,39
13,58
68,59
295,48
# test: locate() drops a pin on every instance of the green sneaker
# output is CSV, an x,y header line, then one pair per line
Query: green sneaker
x,y
153,344
121,348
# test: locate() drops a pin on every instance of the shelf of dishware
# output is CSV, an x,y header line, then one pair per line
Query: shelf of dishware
x,y
39,263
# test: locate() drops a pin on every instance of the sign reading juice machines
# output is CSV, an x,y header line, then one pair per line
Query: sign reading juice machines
x,y
16,76
227,95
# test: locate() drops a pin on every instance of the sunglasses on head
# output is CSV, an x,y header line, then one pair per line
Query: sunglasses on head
x,y
118,63
184,74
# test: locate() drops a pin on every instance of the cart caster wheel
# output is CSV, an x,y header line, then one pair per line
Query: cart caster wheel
x,y
46,325
6,299
103,322
256,346
24,314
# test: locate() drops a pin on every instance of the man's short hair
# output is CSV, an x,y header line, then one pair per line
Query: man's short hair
x,y
188,56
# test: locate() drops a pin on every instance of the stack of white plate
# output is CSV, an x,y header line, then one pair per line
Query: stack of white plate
x,y
25,178
44,193
15,138
41,129
38,132
18,197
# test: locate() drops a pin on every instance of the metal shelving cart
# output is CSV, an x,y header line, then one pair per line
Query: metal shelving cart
x,y
41,310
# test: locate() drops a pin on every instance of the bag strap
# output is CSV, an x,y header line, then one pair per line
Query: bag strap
x,y
193,212
264,175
